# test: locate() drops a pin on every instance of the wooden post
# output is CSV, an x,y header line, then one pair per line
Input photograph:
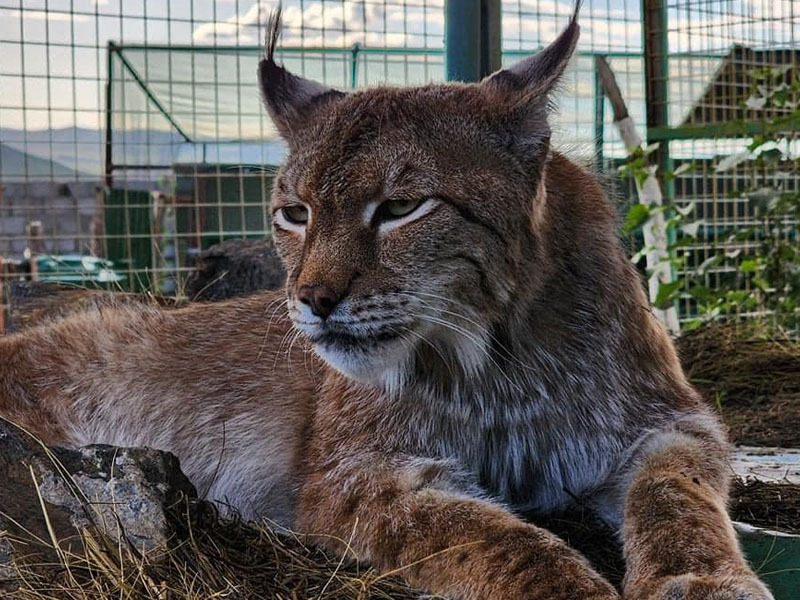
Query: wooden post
x,y
96,225
35,247
649,192
2,299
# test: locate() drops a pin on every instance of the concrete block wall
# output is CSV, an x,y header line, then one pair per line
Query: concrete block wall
x,y
66,211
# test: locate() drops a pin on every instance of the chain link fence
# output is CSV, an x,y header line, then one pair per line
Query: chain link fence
x,y
132,136
728,126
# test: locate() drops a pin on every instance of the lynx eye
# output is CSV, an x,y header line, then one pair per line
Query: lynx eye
x,y
396,209
295,213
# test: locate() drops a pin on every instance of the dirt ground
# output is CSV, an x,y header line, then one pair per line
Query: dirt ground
x,y
751,376
768,505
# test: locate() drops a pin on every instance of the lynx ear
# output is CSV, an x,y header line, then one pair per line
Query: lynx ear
x,y
521,93
290,100
539,73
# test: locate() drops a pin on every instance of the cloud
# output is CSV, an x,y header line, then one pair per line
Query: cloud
x,y
231,27
328,24
527,24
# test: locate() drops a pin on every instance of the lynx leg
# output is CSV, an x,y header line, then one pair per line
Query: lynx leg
x,y
679,542
414,517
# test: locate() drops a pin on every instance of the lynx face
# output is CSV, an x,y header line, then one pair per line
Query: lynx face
x,y
404,215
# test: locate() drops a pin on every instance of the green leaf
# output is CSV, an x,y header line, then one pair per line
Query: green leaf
x,y
757,142
690,229
636,217
755,102
692,325
771,156
636,258
736,296
700,292
732,161
667,292
761,283
680,170
748,266
680,243
780,96
642,174
650,148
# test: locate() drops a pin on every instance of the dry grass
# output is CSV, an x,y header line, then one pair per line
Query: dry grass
x,y
208,557
751,373
211,558
766,504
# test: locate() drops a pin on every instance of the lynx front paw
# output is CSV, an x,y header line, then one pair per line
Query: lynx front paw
x,y
694,587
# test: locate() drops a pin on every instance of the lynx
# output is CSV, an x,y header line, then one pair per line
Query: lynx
x,y
461,339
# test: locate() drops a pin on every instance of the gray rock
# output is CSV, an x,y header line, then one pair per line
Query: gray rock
x,y
125,494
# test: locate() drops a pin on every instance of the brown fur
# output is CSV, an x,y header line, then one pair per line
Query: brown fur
x,y
490,350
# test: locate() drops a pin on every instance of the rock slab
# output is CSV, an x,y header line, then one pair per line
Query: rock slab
x,y
125,494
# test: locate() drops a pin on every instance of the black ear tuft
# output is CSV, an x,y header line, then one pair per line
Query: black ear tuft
x,y
539,73
273,33
289,99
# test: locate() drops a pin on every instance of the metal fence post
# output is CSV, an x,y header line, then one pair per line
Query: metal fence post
x,y
656,72
109,154
599,120
354,51
491,37
462,40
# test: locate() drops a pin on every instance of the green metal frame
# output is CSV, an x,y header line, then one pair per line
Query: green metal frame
x,y
109,158
721,130
148,92
484,61
472,39
599,119
462,35
776,559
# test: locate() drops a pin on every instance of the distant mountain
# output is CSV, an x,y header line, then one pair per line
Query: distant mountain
x,y
17,165
85,148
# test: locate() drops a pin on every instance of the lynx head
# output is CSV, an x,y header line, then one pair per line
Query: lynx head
x,y
406,216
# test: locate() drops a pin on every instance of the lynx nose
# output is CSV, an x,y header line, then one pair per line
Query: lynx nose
x,y
320,298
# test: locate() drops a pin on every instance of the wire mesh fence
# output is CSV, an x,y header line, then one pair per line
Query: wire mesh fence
x,y
132,136
730,134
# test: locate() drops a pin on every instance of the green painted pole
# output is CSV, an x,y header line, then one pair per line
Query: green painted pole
x,y
462,40
491,37
599,120
354,51
109,154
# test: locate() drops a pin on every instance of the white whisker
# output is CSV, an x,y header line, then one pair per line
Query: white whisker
x,y
508,354
478,342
